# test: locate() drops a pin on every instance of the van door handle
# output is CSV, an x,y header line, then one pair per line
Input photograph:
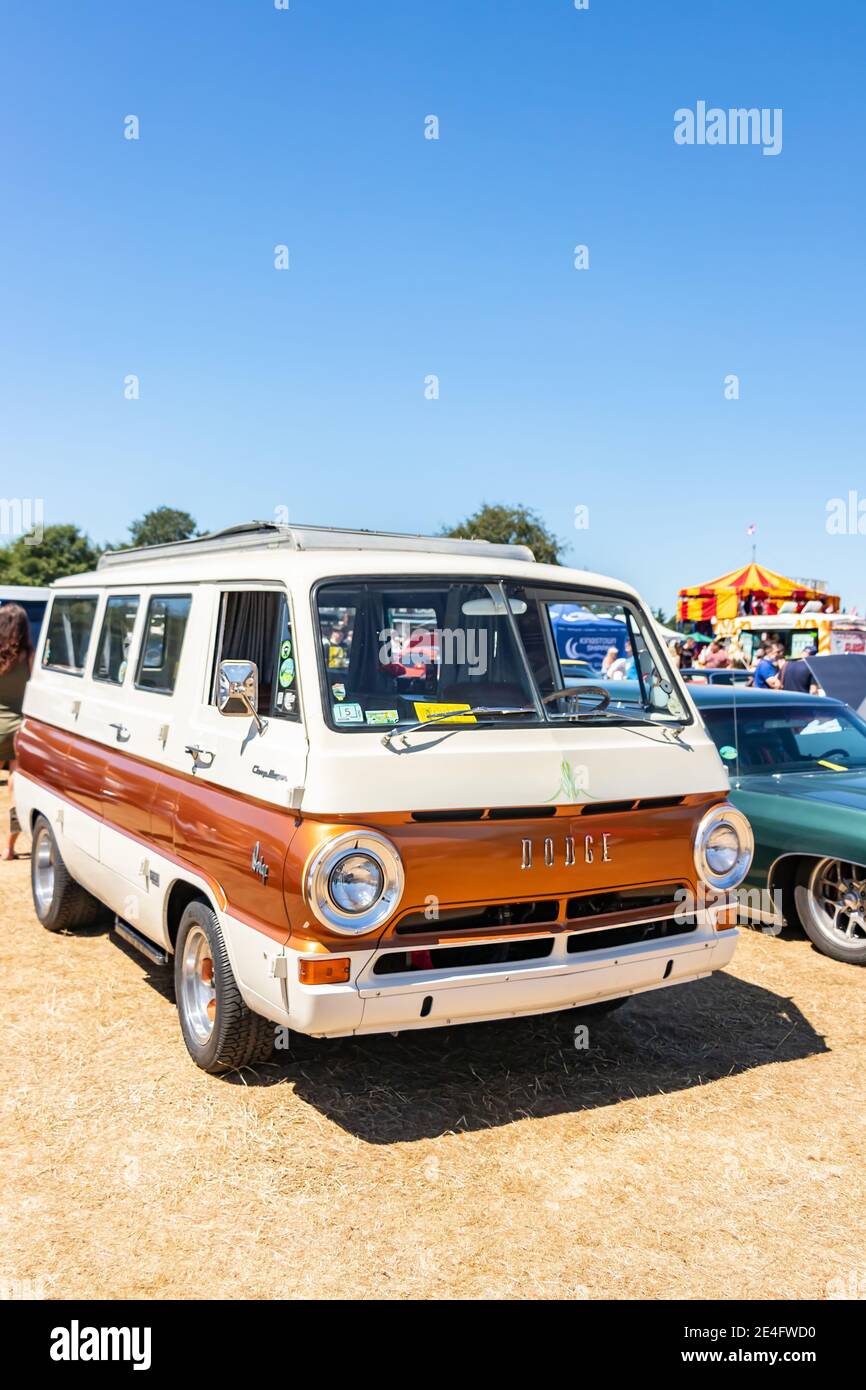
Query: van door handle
x,y
122,732
199,755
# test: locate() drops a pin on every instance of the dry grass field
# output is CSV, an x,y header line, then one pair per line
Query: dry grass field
x,y
707,1144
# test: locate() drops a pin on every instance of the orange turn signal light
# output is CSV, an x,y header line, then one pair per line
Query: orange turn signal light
x,y
325,970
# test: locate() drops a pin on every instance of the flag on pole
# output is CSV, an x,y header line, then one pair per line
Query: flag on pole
x,y
751,529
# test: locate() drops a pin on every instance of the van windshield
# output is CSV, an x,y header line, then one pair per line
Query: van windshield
x,y
399,652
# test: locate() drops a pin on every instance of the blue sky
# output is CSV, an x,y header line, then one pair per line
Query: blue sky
x,y
304,388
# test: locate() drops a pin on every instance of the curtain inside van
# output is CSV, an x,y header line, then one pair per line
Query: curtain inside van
x,y
250,633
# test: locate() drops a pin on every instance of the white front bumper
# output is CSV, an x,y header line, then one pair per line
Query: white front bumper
x,y
435,998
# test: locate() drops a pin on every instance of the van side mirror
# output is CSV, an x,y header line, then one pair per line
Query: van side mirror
x,y
238,692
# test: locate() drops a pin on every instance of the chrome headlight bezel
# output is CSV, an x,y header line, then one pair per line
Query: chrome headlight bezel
x,y
729,816
317,881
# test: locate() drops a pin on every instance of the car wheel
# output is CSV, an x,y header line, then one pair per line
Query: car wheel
x,y
830,899
220,1031
59,901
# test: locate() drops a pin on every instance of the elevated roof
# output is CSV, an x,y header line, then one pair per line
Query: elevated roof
x,y
254,535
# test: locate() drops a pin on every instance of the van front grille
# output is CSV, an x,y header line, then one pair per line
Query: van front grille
x,y
630,934
492,917
558,914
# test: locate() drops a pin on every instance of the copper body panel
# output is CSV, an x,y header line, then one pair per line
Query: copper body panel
x,y
448,864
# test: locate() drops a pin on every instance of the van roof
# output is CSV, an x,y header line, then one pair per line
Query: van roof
x,y
251,535
258,551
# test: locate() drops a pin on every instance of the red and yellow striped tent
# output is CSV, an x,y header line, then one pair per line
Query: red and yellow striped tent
x,y
720,598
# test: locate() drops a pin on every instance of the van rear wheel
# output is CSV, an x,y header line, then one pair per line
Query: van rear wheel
x,y
59,901
220,1031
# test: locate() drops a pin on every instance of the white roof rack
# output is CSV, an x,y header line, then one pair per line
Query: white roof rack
x,y
253,535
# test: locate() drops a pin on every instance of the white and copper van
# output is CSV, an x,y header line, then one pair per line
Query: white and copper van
x,y
350,783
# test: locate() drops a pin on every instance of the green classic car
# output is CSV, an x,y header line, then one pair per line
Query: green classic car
x,y
797,765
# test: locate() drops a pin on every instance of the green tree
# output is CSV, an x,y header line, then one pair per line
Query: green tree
x,y
162,525
62,550
661,617
511,526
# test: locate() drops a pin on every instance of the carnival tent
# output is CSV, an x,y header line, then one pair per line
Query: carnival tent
x,y
721,598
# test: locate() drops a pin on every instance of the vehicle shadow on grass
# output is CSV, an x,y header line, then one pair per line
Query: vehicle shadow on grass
x,y
385,1089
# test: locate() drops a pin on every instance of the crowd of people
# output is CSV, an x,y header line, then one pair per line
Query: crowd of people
x,y
770,667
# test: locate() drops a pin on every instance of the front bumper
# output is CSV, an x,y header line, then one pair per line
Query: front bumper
x,y
372,1003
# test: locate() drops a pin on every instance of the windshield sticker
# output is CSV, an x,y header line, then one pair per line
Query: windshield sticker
x,y
728,753
348,714
382,716
285,649
426,711
339,691
287,672
834,767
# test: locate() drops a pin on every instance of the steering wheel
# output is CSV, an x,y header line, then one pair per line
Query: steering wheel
x,y
832,753
573,692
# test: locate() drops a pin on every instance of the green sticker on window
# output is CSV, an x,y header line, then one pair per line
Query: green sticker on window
x,y
728,753
287,672
285,649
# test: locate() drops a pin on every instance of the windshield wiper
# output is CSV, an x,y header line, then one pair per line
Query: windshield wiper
x,y
620,716
457,715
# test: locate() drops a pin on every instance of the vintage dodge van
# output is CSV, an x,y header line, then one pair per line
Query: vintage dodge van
x,y
344,781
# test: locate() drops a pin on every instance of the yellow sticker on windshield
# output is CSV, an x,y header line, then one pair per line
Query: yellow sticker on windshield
x,y
426,711
834,767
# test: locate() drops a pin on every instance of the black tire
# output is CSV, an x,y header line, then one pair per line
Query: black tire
x,y
238,1037
65,904
816,923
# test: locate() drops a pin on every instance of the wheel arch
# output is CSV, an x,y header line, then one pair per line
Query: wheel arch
x,y
178,898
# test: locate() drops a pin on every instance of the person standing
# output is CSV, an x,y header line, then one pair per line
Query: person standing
x,y
16,665
715,657
797,675
767,669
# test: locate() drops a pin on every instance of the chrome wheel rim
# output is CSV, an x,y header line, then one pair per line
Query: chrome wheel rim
x,y
837,891
197,990
43,872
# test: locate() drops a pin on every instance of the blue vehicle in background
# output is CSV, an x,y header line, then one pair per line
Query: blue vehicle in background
x,y
33,601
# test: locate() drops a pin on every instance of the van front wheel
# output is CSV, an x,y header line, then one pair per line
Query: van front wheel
x,y
221,1033
59,901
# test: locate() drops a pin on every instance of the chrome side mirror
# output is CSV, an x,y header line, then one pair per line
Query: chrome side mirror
x,y
238,692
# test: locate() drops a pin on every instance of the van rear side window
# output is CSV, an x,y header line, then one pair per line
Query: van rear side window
x,y
68,638
162,642
115,639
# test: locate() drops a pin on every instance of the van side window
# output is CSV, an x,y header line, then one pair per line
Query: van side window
x,y
68,638
112,653
162,641
256,626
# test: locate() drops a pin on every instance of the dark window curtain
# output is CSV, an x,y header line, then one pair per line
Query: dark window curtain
x,y
365,674
481,646
249,633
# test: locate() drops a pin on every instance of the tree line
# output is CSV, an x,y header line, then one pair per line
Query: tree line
x,y
64,549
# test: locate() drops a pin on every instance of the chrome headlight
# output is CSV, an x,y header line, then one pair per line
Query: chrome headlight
x,y
354,882
724,845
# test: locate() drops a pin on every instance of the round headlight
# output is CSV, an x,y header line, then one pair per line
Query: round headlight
x,y
724,845
354,882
